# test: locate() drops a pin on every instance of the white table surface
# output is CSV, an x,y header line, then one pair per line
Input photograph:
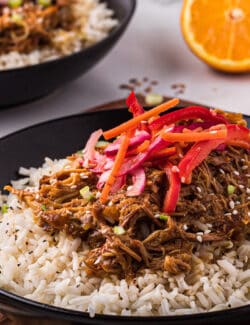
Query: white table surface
x,y
153,47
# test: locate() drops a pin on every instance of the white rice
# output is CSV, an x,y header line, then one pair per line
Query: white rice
x,y
49,269
94,20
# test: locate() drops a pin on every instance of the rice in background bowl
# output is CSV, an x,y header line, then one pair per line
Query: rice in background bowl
x,y
93,21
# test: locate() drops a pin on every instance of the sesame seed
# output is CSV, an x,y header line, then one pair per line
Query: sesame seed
x,y
110,203
88,211
228,214
241,186
243,160
185,227
236,173
231,204
213,132
237,202
248,175
52,181
199,233
183,179
84,176
37,196
248,213
198,189
235,212
157,215
222,171
248,190
199,238
248,198
244,167
73,187
207,231
129,187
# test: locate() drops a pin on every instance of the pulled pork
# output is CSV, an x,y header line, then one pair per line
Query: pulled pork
x,y
30,26
206,212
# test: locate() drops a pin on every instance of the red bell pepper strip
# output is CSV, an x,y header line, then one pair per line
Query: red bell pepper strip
x,y
188,113
238,132
173,192
134,106
198,152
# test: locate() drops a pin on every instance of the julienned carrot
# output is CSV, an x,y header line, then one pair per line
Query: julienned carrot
x,y
142,147
164,152
194,136
116,167
143,117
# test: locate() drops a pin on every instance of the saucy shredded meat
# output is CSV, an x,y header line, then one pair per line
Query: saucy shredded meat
x,y
31,25
146,240
151,198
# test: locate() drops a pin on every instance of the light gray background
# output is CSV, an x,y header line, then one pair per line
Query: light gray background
x,y
153,47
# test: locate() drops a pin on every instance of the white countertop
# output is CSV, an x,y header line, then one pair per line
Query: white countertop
x,y
152,47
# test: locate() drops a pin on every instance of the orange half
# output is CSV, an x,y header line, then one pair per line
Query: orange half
x,y
218,32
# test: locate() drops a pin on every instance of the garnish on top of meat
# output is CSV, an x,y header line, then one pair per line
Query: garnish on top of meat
x,y
26,25
166,185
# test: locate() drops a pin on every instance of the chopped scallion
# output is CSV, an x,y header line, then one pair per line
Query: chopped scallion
x,y
16,18
44,3
4,208
153,99
101,144
119,230
163,217
15,3
79,152
230,189
86,193
43,206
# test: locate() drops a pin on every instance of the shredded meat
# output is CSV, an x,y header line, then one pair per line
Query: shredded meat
x,y
205,212
31,26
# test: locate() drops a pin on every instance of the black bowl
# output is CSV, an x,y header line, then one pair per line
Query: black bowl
x,y
28,83
56,139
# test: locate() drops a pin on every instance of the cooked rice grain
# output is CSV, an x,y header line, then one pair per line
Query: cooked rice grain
x,y
94,21
48,269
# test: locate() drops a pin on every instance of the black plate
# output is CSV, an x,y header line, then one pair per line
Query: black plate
x,y
56,139
25,84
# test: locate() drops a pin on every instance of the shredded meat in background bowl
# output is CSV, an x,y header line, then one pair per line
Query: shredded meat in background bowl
x,y
36,31
155,215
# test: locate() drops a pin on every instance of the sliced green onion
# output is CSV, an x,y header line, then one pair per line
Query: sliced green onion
x,y
153,99
230,189
119,230
4,208
15,3
44,3
86,193
16,18
163,217
79,152
102,144
43,206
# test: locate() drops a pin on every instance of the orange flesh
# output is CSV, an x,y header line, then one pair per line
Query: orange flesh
x,y
219,30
